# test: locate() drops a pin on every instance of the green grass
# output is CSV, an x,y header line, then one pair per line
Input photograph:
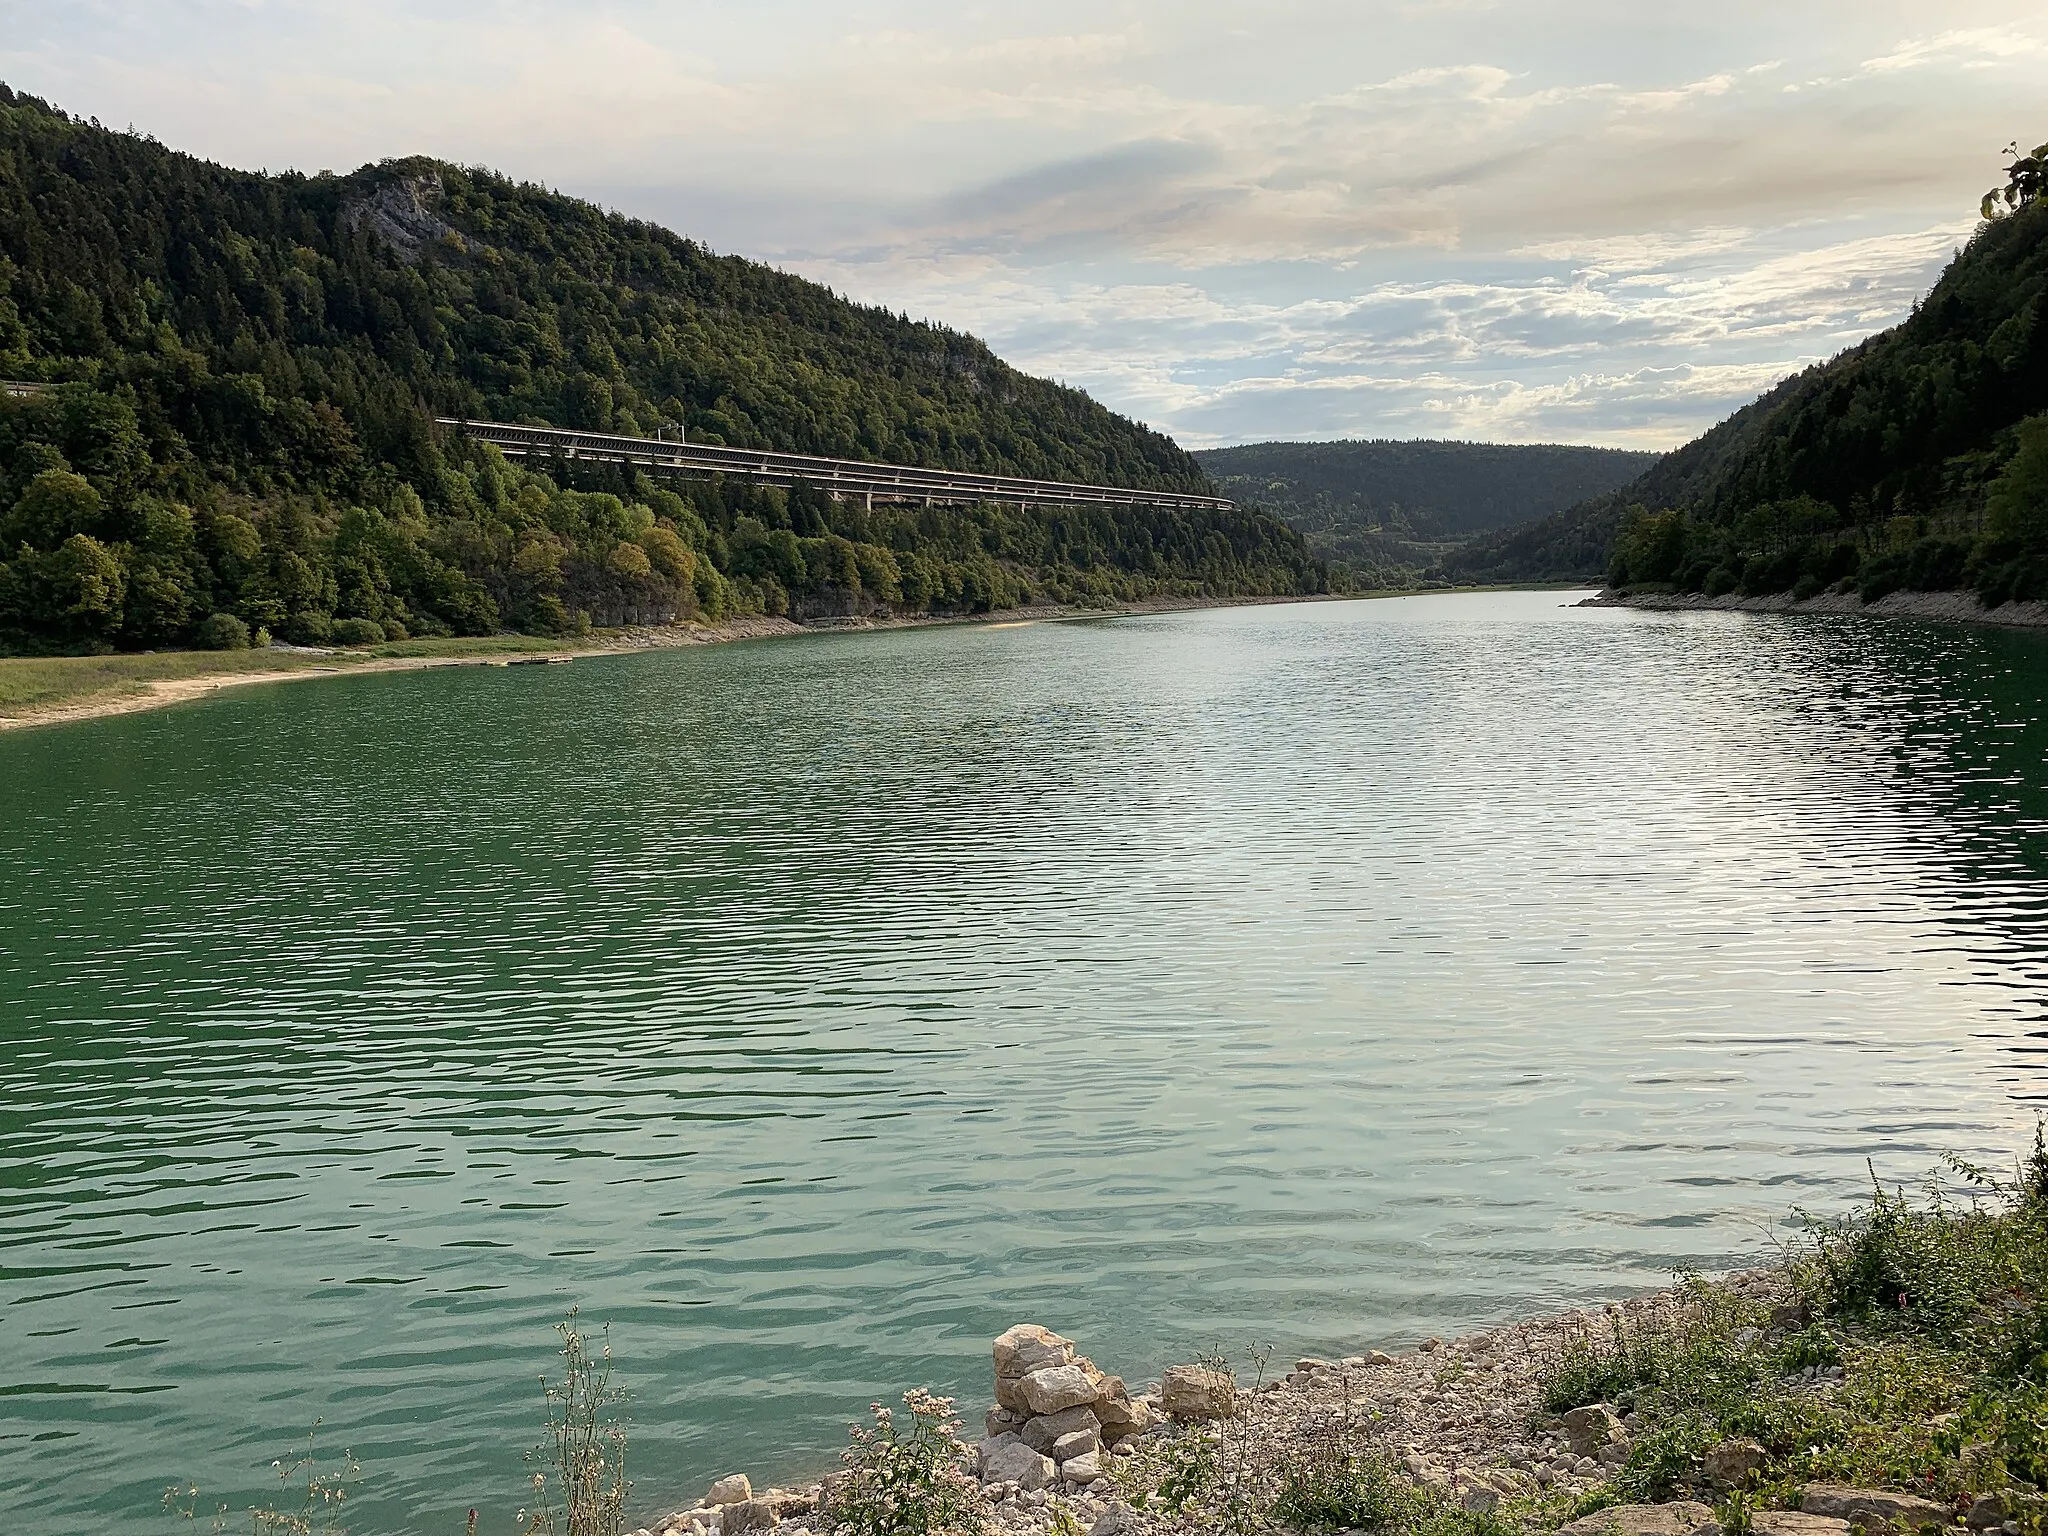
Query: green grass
x,y
33,685
1935,1309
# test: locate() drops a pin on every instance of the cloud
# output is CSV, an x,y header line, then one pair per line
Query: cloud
x,y
1971,47
1565,216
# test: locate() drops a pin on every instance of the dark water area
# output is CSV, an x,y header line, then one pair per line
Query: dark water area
x,y
809,1011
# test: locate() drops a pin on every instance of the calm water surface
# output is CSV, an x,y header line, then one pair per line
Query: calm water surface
x,y
1317,976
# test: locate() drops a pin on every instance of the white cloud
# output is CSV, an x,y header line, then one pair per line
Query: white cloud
x,y
1567,216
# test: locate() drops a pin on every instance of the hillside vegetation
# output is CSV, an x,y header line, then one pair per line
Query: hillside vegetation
x,y
1916,460
1388,511
248,365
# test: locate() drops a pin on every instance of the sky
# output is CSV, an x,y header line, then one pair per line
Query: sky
x,y
1591,221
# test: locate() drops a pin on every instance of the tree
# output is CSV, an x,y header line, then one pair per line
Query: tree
x,y
2026,178
2018,505
56,505
86,588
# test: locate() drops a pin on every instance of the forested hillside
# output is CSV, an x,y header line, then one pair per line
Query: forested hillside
x,y
1918,459
1389,510
248,364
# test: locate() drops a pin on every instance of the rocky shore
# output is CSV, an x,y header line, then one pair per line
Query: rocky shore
x,y
1067,1447
1949,607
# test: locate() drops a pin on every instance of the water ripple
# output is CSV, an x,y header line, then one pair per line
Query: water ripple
x,y
1316,976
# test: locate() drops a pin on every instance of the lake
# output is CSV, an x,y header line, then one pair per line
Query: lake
x,y
1315,976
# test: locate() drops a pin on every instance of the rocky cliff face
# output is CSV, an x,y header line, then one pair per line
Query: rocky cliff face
x,y
403,214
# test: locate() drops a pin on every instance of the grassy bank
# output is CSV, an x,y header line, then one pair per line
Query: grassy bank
x,y
1889,1375
37,688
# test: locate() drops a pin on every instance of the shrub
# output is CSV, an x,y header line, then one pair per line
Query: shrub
x,y
357,632
903,1476
1327,1486
222,632
581,1490
312,1497
1633,1357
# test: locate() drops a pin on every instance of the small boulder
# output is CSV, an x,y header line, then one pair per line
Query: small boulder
x,y
1114,1521
989,1449
1041,1433
1080,1443
1869,1507
1198,1392
1794,1522
791,1502
735,1489
1027,1348
1017,1463
1476,1494
1056,1387
751,1515
1593,1428
1990,1510
1082,1469
1681,1519
1732,1461
1380,1357
1119,1416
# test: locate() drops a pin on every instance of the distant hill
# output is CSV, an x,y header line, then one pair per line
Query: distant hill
x,y
1917,459
1387,510
250,363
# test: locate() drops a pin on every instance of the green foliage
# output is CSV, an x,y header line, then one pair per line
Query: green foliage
x,y
248,366
1329,1483
1911,1352
2017,507
1630,1358
221,632
2026,178
1649,548
1189,1472
356,632
1332,1487
903,1476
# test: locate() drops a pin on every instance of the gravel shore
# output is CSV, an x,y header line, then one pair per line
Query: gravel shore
x,y
1461,1416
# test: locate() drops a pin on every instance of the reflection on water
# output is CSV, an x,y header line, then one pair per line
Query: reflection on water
x,y
1312,975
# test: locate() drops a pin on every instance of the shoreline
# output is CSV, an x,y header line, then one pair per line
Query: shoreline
x,y
1457,1414
1470,1425
1941,607
160,693
504,650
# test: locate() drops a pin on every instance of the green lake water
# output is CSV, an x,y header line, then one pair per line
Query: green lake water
x,y
1317,976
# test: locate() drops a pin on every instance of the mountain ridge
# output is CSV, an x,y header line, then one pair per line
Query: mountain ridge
x,y
249,364
1388,509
